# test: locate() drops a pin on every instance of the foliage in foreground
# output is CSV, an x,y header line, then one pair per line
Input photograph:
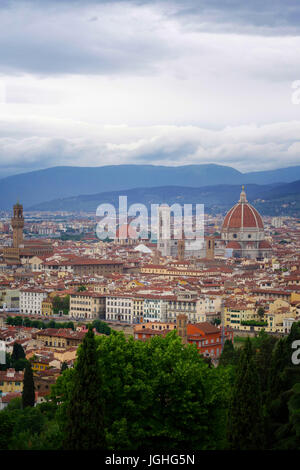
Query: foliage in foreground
x,y
160,395
156,394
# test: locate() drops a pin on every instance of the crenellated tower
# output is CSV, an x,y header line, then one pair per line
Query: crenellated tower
x,y
17,223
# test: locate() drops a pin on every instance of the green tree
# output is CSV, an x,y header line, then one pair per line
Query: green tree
x,y
264,345
20,364
70,324
261,312
245,415
157,395
84,428
282,396
161,395
56,304
66,304
18,352
7,424
64,366
27,322
81,289
28,395
294,416
101,327
10,321
229,355
8,362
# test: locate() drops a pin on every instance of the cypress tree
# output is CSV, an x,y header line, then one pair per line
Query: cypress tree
x,y
245,429
228,356
64,366
84,429
18,352
28,395
282,378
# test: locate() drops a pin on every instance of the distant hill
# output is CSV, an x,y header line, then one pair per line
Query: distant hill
x,y
216,198
61,182
280,200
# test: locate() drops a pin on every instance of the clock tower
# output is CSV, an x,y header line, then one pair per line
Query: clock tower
x,y
17,223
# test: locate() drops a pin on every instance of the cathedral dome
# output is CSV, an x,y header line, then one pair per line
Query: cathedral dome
x,y
234,245
242,216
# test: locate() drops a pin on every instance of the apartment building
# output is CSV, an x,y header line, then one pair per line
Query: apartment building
x,y
236,312
132,308
31,300
87,305
11,381
59,338
103,267
9,298
120,308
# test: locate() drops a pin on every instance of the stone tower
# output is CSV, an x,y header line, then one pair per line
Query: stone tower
x,y
180,250
210,247
17,223
181,321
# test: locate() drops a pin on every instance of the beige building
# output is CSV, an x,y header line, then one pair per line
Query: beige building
x,y
86,266
87,305
238,311
11,381
280,316
59,338
9,298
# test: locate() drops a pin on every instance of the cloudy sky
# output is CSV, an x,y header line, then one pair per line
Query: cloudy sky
x,y
91,83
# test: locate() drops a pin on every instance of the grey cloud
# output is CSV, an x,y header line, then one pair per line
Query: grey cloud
x,y
256,16
100,37
245,148
63,40
282,16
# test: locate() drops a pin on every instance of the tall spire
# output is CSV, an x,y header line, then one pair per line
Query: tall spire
x,y
243,197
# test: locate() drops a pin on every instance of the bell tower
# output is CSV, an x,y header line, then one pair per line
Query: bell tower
x,y
17,223
181,321
210,247
180,250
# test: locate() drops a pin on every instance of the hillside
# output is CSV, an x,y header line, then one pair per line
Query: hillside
x,y
63,182
216,198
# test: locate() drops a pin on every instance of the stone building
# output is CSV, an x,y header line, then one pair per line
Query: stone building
x,y
22,250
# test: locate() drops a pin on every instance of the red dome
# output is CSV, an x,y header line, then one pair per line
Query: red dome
x,y
234,245
264,244
242,215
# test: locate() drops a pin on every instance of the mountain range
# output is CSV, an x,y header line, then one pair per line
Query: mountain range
x,y
272,199
40,186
